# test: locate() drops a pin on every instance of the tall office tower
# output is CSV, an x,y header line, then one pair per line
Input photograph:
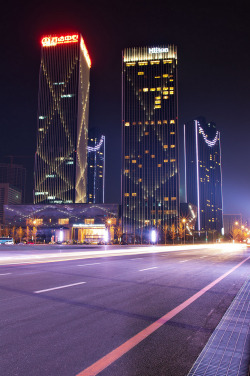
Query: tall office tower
x,y
15,176
96,167
150,172
203,181
62,135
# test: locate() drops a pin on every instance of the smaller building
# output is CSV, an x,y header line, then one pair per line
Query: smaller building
x,y
80,223
9,195
230,220
96,167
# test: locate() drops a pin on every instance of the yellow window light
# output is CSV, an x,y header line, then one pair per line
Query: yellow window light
x,y
126,171
146,133
146,151
127,124
165,198
172,160
142,63
127,156
159,89
159,165
133,160
165,97
126,194
152,89
157,102
172,146
165,75
172,122
173,198
140,73
152,156
140,165
165,160
157,106
145,89
165,146
134,194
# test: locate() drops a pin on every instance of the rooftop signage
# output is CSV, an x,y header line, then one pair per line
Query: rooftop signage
x,y
157,50
63,39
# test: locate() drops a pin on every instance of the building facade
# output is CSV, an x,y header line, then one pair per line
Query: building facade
x,y
96,167
83,223
62,131
9,195
203,180
150,166
14,175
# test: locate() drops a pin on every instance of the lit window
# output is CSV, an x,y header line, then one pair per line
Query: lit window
x,y
165,121
42,117
165,160
152,122
134,194
126,124
165,75
158,88
67,95
140,73
140,180
63,221
165,198
145,89
172,146
146,133
157,106
126,171
172,132
155,62
165,146
173,198
89,221
127,156
159,122
157,102
40,129
152,89
142,63
172,160
172,122
159,165
165,93
157,76
133,160
140,165
126,194
165,97
171,79
146,151
130,64
171,92
152,156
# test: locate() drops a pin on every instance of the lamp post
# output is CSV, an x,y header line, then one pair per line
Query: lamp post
x,y
184,223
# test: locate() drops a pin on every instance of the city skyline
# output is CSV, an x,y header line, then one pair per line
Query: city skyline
x,y
206,63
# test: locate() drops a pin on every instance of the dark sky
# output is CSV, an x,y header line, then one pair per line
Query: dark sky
x,y
213,40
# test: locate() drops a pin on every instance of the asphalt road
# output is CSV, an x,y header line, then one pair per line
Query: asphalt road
x,y
59,318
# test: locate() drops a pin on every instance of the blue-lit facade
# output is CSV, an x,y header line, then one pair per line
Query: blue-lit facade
x,y
96,167
203,177
150,165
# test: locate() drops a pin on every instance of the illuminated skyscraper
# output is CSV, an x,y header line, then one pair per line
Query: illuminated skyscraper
x,y
203,180
62,135
150,172
96,167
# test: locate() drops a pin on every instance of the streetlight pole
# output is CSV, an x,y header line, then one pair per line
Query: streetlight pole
x,y
184,222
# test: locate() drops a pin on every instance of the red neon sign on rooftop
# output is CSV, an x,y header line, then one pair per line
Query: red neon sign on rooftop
x,y
54,40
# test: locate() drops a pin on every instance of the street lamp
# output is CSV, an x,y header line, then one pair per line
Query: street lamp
x,y
184,222
153,236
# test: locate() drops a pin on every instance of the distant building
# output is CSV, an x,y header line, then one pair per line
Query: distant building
x,y
15,176
231,220
90,223
203,182
150,166
96,167
9,195
62,131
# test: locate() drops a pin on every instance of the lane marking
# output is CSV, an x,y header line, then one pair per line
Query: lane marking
x,y
94,263
137,258
117,353
59,287
184,261
5,273
154,267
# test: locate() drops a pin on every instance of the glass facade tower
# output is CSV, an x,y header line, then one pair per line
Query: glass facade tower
x,y
62,132
203,181
96,167
150,171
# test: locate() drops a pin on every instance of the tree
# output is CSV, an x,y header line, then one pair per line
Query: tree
x,y
165,231
27,233
34,233
13,233
20,233
6,231
172,232
181,230
119,232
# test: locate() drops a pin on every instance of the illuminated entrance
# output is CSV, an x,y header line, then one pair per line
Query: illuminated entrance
x,y
89,233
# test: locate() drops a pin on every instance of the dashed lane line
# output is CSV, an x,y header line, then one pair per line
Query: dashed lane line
x,y
59,287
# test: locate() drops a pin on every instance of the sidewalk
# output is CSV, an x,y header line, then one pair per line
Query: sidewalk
x,y
227,352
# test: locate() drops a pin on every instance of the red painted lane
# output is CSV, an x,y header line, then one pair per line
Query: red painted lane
x,y
117,353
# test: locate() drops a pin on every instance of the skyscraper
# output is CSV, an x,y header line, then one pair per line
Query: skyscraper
x,y
203,182
150,171
62,134
96,166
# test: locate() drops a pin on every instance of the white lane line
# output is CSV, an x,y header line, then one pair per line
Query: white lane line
x,y
5,273
154,267
184,261
59,287
94,263
137,258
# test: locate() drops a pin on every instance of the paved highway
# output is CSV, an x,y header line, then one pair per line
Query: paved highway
x,y
128,315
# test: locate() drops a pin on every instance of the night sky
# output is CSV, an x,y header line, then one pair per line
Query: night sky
x,y
213,40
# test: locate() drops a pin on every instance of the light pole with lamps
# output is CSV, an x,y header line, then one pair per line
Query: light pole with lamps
x,y
184,223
